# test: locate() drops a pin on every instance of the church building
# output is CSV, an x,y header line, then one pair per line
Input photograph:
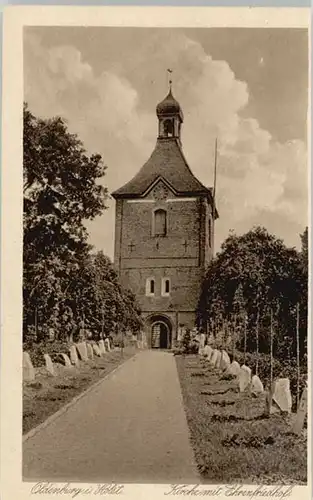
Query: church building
x,y
164,233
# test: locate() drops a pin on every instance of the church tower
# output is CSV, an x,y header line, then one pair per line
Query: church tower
x,y
164,233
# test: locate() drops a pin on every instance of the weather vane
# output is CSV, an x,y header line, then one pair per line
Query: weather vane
x,y
170,81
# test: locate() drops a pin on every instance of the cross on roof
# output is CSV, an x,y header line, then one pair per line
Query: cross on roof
x,y
185,244
131,247
170,81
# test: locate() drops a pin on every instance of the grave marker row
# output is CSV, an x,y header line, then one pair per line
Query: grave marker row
x,y
85,350
278,398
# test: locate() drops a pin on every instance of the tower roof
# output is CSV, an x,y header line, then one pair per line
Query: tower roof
x,y
167,161
169,106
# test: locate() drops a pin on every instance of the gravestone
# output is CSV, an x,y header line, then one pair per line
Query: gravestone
x,y
49,365
73,355
96,350
225,361
82,350
90,351
207,351
144,341
282,394
218,359
101,347
28,369
233,369
213,358
256,385
301,413
66,359
270,408
244,378
107,345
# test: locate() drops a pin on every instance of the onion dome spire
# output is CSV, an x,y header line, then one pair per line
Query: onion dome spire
x,y
170,116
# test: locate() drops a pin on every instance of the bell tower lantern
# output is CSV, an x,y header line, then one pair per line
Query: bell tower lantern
x,y
170,117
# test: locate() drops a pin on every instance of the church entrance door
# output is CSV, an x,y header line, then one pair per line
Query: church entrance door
x,y
160,335
163,336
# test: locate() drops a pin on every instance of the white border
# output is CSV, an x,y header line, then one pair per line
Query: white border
x,y
15,18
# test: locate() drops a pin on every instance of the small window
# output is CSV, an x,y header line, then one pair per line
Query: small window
x,y
150,286
159,222
168,128
165,286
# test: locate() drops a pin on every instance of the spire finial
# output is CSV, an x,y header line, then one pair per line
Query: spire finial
x,y
170,81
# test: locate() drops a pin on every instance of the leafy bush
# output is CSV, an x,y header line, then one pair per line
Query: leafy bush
x,y
186,341
178,351
36,350
253,283
193,347
189,345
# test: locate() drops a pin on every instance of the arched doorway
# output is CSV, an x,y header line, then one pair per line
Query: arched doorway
x,y
161,332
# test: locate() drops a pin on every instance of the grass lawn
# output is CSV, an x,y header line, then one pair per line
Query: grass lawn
x,y
232,439
48,394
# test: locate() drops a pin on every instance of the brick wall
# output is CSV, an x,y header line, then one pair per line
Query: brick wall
x,y
181,255
183,224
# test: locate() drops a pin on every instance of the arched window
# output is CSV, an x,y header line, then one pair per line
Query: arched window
x,y
165,288
169,128
159,222
150,286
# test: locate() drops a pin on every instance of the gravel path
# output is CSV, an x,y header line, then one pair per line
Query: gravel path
x,y
129,428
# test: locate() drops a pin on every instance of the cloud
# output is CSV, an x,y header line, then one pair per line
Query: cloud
x,y
259,179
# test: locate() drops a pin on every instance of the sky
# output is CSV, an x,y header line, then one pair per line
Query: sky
x,y
247,87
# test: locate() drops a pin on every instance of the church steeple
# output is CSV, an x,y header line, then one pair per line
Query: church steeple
x,y
170,117
167,160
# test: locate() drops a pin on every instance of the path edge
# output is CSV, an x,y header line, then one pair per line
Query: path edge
x,y
73,401
189,435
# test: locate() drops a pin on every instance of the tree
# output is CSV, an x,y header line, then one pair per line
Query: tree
x,y
66,284
305,247
105,303
302,313
270,275
61,191
61,188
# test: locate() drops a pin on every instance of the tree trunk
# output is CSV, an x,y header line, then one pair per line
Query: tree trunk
x,y
234,323
36,323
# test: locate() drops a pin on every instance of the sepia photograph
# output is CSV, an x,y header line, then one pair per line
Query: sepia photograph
x,y
165,212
